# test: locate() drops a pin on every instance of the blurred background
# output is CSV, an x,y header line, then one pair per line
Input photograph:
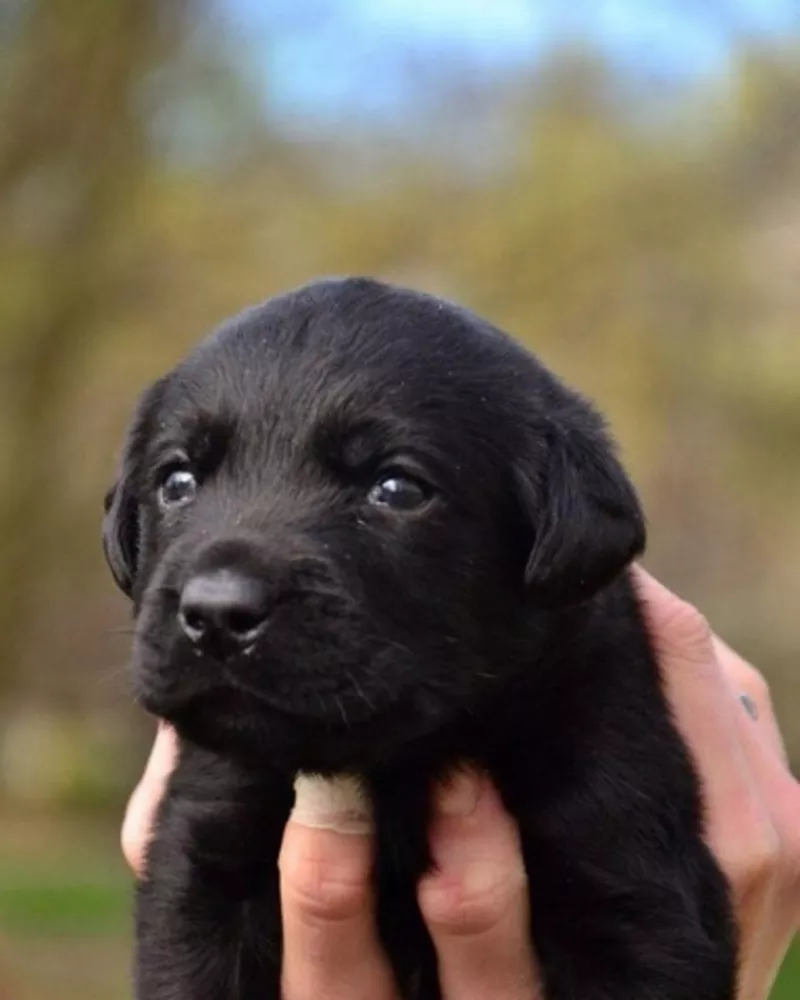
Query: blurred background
x,y
617,182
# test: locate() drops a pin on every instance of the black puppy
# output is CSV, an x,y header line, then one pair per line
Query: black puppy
x,y
367,533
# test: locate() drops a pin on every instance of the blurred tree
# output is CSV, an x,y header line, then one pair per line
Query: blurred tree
x,y
72,149
623,239
646,244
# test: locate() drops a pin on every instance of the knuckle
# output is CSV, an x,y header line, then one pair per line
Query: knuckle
x,y
691,626
790,829
326,896
323,890
682,632
753,856
478,903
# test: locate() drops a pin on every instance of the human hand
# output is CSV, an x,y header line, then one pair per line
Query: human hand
x,y
140,816
475,906
752,800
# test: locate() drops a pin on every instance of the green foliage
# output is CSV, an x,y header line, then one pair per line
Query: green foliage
x,y
51,904
788,985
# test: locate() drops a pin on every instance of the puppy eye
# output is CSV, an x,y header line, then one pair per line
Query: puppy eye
x,y
398,493
178,488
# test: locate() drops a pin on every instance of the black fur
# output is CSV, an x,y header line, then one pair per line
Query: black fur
x,y
496,624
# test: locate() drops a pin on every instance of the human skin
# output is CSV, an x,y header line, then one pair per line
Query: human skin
x,y
475,903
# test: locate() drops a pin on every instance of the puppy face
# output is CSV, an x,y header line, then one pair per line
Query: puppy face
x,y
347,516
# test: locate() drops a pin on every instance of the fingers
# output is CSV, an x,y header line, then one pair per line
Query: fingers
x,y
752,801
746,680
137,827
706,712
742,761
779,864
331,947
765,749
476,903
769,892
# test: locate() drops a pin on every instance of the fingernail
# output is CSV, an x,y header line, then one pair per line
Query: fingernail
x,y
337,804
459,795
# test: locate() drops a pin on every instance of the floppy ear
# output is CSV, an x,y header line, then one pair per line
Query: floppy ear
x,y
121,525
585,516
121,533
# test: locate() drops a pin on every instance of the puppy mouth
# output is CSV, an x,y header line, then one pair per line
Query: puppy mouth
x,y
324,733
173,685
331,710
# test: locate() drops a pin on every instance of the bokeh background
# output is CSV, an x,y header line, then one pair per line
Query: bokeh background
x,y
617,182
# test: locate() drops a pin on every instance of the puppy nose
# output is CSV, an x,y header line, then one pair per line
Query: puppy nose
x,y
223,610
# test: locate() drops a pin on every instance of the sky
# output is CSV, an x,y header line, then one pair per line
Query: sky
x,y
328,58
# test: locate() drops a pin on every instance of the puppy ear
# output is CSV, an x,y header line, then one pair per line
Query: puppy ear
x,y
121,524
586,518
121,534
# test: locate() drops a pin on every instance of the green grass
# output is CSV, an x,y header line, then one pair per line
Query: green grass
x,y
50,903
65,904
44,917
65,901
788,984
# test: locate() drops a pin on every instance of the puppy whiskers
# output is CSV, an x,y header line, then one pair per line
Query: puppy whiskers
x,y
360,691
113,675
342,712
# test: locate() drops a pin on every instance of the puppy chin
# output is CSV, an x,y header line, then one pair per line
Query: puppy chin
x,y
253,734
237,725
264,709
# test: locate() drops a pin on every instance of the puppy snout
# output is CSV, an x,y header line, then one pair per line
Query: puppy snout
x,y
224,610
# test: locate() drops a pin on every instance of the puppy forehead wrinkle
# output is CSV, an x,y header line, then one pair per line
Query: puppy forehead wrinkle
x,y
194,416
324,358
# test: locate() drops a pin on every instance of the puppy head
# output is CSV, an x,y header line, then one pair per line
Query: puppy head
x,y
343,517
